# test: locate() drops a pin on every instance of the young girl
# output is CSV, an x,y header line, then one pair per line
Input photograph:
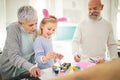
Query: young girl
x,y
44,54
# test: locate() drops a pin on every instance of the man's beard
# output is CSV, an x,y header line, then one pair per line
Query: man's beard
x,y
94,16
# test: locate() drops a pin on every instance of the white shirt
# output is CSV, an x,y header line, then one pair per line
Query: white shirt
x,y
92,38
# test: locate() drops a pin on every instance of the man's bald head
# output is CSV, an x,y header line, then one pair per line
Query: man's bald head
x,y
94,2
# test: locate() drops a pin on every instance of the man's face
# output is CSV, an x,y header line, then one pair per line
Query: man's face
x,y
94,9
30,26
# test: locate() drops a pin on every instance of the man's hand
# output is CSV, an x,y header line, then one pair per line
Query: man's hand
x,y
35,72
77,58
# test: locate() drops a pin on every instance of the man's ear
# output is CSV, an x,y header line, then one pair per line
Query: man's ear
x,y
102,6
20,22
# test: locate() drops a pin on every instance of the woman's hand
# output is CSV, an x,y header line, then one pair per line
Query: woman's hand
x,y
35,72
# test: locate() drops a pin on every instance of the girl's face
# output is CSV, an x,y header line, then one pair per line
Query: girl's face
x,y
48,29
30,26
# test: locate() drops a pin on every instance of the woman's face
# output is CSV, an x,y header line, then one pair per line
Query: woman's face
x,y
30,26
48,29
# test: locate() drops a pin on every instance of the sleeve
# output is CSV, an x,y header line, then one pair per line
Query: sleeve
x,y
112,44
13,49
39,51
76,41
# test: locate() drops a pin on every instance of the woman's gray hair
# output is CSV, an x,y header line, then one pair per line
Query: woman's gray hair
x,y
26,13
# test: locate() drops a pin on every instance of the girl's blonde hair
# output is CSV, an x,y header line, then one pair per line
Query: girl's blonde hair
x,y
51,19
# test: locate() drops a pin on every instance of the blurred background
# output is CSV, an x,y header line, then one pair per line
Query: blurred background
x,y
73,10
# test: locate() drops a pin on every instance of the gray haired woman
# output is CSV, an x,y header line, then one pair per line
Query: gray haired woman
x,y
18,53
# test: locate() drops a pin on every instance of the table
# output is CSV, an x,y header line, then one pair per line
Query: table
x,y
48,74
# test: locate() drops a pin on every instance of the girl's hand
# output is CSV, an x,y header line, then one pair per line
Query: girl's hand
x,y
50,55
59,56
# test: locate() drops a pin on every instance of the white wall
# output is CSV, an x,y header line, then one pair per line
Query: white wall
x,y
12,7
2,23
2,11
106,10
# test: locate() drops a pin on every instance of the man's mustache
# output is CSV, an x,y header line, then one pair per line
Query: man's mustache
x,y
93,14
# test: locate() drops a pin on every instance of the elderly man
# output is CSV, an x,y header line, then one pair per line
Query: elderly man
x,y
93,35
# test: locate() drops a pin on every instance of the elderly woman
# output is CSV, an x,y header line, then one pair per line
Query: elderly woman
x,y
18,51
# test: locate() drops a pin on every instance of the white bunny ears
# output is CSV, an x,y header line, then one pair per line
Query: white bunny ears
x,y
46,15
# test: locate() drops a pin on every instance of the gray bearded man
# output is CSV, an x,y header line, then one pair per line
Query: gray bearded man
x,y
94,35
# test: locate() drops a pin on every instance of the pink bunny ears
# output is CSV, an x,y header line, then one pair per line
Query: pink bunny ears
x,y
46,15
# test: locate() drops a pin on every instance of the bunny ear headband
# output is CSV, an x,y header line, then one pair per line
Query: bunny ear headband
x,y
46,15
